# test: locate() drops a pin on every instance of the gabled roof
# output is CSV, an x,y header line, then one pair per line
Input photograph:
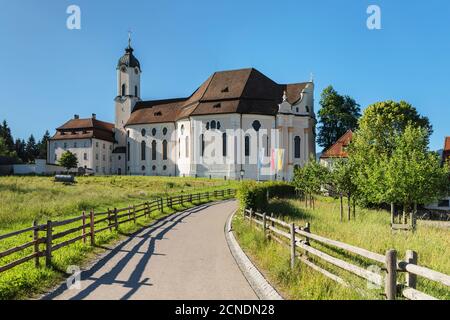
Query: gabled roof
x,y
85,129
237,91
338,150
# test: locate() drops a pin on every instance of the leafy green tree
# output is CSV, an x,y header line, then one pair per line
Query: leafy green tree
x,y
42,145
343,183
375,140
310,179
68,160
4,150
338,114
413,174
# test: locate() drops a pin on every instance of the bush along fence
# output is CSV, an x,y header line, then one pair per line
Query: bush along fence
x,y
299,238
89,224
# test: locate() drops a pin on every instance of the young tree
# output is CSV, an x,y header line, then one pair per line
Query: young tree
x,y
310,179
413,174
374,141
343,183
68,160
338,114
19,147
4,150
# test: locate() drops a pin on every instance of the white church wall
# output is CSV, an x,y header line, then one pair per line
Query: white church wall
x,y
159,166
183,147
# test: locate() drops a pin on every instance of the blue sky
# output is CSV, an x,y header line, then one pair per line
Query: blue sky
x,y
49,72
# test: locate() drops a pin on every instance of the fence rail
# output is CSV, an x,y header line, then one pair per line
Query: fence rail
x,y
88,225
299,238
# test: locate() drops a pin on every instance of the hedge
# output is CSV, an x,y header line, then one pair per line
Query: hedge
x,y
255,195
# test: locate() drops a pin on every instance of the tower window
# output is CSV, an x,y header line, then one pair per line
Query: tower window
x,y
124,90
135,91
128,151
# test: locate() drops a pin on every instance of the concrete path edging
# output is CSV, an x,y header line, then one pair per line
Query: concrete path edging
x,y
257,281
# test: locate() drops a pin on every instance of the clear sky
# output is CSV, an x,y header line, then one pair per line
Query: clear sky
x,y
48,73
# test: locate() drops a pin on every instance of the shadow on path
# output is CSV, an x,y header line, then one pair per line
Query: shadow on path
x,y
138,241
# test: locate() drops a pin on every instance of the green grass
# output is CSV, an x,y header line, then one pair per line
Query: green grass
x,y
370,230
23,199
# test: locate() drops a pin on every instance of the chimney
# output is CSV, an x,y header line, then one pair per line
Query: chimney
x,y
94,116
76,116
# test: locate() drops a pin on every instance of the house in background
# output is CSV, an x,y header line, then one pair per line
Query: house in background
x,y
443,204
336,151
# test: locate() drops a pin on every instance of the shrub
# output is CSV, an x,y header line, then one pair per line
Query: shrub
x,y
255,195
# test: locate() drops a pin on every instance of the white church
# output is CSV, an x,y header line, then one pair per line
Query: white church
x,y
237,124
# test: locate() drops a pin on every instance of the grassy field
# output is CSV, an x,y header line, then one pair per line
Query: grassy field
x,y
370,230
23,199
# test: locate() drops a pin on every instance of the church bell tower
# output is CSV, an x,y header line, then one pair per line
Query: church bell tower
x,y
128,90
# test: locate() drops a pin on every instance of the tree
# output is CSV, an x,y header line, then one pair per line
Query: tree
x,y
31,149
42,145
4,150
413,174
5,133
19,147
338,114
68,160
310,179
343,183
375,140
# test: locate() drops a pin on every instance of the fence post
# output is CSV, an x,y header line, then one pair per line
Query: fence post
x,y
36,242
392,213
182,202
411,278
251,216
91,218
116,223
307,229
162,205
292,229
48,245
84,226
391,275
265,225
134,213
109,220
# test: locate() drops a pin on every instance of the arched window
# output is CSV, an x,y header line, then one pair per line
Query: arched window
x,y
213,124
135,91
247,146
124,87
143,132
154,150
218,125
128,151
164,131
267,147
207,126
179,148
143,149
202,144
154,132
297,147
182,129
165,150
224,144
256,125
187,147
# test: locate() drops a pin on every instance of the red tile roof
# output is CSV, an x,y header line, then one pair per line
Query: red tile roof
x,y
446,153
85,129
237,91
338,150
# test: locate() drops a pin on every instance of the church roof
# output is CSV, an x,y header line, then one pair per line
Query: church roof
x,y
129,60
446,152
85,129
245,91
338,150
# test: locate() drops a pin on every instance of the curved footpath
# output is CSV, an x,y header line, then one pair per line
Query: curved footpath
x,y
183,256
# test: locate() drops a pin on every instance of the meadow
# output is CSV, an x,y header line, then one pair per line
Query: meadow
x,y
24,199
369,230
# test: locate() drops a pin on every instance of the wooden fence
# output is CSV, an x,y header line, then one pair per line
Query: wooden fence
x,y
88,224
300,237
